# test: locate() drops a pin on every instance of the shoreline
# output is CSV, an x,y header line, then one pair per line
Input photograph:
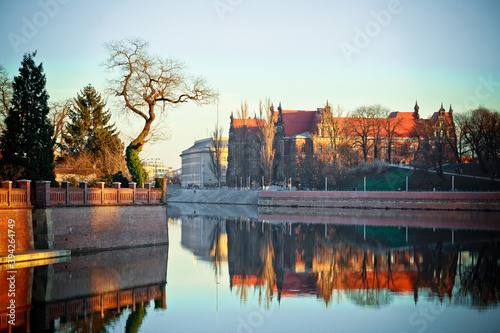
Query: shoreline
x,y
439,201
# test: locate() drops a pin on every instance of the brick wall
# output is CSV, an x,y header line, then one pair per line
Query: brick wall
x,y
22,229
99,227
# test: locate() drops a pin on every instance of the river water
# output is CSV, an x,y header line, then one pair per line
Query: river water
x,y
235,269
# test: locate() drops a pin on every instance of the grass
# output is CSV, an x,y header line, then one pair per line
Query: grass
x,y
388,178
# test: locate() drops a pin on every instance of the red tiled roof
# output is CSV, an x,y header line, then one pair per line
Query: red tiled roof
x,y
405,115
250,125
298,121
449,119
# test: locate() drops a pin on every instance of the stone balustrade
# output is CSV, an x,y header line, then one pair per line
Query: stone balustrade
x,y
15,197
67,196
46,196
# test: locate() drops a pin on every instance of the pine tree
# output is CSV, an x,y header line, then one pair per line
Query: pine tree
x,y
89,130
27,144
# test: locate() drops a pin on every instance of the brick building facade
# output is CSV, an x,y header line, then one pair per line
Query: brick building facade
x,y
320,135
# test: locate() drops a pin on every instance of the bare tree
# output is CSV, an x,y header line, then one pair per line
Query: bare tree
x,y
149,85
432,146
216,151
378,121
267,130
390,126
480,129
361,128
59,112
5,96
330,159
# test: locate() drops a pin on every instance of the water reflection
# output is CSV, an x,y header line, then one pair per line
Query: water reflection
x,y
367,265
90,292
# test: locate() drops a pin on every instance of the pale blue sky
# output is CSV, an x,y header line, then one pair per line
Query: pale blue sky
x,y
291,51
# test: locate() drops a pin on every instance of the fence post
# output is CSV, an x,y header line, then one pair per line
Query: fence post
x,y
65,185
117,186
133,186
100,185
26,184
406,183
83,185
364,183
326,184
42,193
7,184
148,187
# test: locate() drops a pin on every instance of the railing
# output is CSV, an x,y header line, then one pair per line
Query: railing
x,y
15,197
96,196
44,196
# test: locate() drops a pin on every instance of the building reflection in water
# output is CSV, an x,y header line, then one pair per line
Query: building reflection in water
x,y
89,292
366,265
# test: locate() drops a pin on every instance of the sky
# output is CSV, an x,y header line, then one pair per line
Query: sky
x,y
299,53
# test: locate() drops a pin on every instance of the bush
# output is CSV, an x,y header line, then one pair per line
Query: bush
x,y
134,166
117,177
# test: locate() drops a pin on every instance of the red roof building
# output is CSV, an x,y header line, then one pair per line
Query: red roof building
x,y
319,135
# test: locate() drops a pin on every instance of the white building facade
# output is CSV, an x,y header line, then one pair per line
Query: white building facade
x,y
196,163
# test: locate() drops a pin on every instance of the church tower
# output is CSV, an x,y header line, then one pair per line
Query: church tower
x,y
415,111
279,141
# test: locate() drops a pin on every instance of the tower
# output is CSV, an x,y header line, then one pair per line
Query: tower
x,y
415,111
279,141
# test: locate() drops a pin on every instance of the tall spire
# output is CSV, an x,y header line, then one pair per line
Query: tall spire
x,y
442,110
327,107
415,111
451,110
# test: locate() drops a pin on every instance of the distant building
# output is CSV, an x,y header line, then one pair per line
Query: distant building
x,y
156,169
304,139
244,146
196,163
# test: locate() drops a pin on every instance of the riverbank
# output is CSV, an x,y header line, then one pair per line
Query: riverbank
x,y
212,196
476,201
485,201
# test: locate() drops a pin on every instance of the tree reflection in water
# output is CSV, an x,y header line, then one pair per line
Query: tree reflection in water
x,y
299,259
479,276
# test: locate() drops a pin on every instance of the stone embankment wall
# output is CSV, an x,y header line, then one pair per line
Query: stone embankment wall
x,y
213,196
384,200
80,219
81,229
15,215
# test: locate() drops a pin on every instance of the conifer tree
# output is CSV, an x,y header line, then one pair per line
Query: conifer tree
x,y
89,130
27,144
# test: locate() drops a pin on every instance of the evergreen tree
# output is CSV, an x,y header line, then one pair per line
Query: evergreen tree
x,y
89,130
27,144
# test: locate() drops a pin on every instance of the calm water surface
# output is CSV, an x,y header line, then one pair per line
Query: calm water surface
x,y
223,272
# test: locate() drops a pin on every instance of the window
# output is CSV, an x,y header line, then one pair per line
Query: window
x,y
319,149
